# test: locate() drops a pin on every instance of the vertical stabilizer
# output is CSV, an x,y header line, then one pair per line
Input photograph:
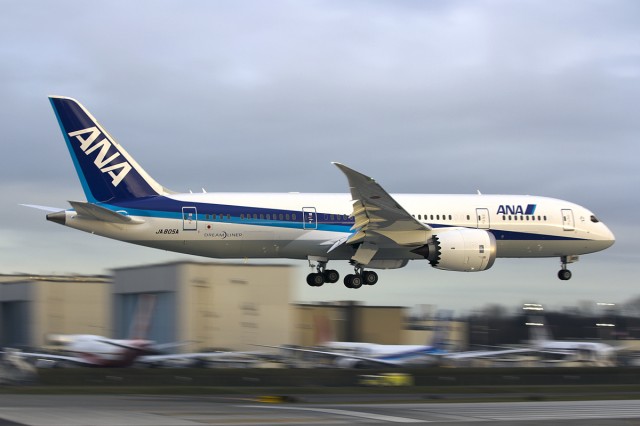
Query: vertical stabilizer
x,y
107,172
440,336
538,332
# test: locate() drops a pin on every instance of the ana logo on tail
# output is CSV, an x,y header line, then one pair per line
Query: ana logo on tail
x,y
101,161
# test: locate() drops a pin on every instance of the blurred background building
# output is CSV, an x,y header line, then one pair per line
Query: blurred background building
x,y
34,307
237,306
208,305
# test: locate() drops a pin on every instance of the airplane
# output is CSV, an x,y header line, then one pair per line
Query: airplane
x,y
369,228
598,353
365,354
99,351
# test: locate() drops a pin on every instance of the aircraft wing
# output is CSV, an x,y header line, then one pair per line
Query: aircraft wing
x,y
53,357
379,220
378,361
151,359
485,354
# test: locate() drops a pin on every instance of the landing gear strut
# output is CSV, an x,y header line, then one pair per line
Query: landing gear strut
x,y
564,274
360,278
322,274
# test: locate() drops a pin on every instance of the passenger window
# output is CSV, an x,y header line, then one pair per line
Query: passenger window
x,y
293,216
287,216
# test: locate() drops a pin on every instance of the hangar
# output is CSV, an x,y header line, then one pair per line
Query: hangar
x,y
207,305
33,307
204,305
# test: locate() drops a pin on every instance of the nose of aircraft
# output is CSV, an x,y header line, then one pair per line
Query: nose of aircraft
x,y
607,237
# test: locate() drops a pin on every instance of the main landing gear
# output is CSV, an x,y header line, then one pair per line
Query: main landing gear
x,y
564,274
360,278
324,275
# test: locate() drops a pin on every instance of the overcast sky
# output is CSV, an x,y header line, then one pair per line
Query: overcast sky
x,y
510,97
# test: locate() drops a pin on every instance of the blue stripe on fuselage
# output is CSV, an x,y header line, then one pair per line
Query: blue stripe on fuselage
x,y
168,208
163,207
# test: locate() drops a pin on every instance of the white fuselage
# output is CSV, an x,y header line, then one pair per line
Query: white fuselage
x,y
296,225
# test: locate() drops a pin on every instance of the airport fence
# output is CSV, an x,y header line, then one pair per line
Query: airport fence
x,y
314,378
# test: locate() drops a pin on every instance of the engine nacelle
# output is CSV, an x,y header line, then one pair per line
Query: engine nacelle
x,y
464,250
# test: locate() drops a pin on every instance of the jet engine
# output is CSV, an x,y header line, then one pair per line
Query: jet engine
x,y
462,249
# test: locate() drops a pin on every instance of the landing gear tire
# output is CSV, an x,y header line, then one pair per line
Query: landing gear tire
x,y
369,277
331,276
315,279
347,280
356,281
352,281
564,274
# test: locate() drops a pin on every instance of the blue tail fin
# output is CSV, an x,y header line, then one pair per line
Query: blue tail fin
x,y
107,172
440,337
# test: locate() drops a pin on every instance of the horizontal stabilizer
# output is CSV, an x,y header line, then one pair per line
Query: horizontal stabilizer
x,y
45,208
96,212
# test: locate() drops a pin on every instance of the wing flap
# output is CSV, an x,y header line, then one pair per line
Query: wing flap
x,y
378,218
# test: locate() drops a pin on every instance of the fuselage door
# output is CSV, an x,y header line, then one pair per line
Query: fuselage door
x,y
189,219
567,220
482,215
309,218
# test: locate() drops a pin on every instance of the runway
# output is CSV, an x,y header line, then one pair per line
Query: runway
x,y
111,410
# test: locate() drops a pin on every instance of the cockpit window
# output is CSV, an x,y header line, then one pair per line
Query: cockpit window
x,y
594,219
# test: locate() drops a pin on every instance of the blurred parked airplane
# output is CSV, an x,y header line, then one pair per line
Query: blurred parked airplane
x,y
369,228
598,353
363,354
98,351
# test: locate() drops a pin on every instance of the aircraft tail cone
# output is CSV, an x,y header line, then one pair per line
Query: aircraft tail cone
x,y
58,217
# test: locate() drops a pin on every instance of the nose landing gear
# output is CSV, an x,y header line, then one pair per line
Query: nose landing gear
x,y
564,274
